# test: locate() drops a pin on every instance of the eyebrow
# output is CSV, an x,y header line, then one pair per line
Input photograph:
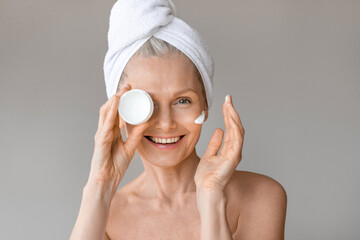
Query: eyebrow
x,y
180,92
185,90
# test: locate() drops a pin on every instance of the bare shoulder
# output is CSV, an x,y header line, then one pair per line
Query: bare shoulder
x,y
123,211
252,185
125,196
252,189
119,204
262,205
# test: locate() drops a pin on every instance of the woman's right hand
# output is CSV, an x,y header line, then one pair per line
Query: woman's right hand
x,y
112,155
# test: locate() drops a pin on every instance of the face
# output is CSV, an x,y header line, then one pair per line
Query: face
x,y
178,100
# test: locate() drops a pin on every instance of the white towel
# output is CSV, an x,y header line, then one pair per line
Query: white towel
x,y
133,22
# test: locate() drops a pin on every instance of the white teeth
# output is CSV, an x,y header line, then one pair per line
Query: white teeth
x,y
165,140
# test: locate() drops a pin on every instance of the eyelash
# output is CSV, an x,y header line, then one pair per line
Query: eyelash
x,y
184,99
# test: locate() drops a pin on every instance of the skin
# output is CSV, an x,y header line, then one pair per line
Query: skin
x,y
164,197
162,78
180,195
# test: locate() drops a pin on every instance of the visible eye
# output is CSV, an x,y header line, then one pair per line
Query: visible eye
x,y
184,101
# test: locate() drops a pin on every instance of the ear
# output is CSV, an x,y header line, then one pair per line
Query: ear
x,y
206,112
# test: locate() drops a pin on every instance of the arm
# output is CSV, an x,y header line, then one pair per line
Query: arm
x,y
94,210
110,161
214,223
215,170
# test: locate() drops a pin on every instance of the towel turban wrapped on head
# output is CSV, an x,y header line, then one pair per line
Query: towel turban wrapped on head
x,y
133,22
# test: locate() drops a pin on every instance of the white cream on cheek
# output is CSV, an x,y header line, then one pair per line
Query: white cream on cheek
x,y
201,118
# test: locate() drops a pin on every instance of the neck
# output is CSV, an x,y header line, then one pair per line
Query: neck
x,y
171,183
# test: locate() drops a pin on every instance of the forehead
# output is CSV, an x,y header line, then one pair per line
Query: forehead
x,y
163,75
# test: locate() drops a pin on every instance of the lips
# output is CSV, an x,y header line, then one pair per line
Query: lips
x,y
164,140
165,146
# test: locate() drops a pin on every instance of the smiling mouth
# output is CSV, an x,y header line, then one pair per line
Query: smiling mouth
x,y
164,141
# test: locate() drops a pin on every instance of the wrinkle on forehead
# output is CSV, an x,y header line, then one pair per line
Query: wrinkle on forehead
x,y
163,75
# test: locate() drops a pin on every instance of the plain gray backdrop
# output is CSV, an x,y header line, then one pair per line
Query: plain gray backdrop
x,y
292,67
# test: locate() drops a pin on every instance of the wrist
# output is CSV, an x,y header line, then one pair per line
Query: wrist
x,y
101,190
212,209
208,200
209,192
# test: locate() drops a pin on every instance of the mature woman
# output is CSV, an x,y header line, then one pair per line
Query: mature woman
x,y
180,195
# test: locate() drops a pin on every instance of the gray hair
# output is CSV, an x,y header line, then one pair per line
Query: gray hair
x,y
157,47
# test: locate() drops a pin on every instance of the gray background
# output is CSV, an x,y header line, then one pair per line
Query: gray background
x,y
292,67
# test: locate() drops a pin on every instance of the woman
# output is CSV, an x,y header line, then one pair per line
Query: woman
x,y
180,195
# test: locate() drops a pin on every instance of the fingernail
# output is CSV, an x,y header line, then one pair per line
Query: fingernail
x,y
227,98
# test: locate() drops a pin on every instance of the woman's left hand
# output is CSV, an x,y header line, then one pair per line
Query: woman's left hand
x,y
214,170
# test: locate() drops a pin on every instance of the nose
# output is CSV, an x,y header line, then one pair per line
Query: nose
x,y
164,119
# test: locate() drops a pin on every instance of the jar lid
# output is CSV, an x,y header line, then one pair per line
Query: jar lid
x,y
136,106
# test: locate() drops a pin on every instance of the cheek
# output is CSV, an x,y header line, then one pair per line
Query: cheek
x,y
187,115
193,136
186,118
187,122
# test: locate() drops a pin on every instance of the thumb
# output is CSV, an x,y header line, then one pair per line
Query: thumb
x,y
214,144
135,137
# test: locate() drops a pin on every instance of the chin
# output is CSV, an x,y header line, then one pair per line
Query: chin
x,y
164,159
163,164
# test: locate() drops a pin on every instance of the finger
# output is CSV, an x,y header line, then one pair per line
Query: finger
x,y
233,138
111,115
103,111
116,129
214,143
225,114
122,122
135,137
237,137
126,88
227,137
235,117
108,117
